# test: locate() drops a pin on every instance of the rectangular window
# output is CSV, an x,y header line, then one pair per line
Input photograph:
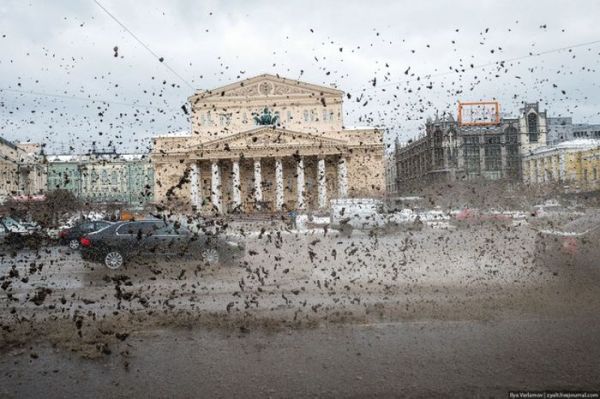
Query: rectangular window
x,y
493,158
472,140
472,157
305,116
494,140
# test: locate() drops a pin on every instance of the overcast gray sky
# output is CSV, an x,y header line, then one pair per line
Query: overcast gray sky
x,y
380,52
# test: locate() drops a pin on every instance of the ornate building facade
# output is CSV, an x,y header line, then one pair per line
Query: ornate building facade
x,y
267,144
22,169
449,151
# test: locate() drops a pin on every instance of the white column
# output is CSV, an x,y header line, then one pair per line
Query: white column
x,y
278,184
543,171
215,186
194,178
322,183
300,188
235,184
257,182
561,166
342,178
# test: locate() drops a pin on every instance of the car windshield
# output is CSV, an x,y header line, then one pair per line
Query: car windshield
x,y
299,199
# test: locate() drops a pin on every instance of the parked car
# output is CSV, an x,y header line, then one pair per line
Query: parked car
x,y
69,221
11,225
349,214
575,244
70,236
123,241
16,234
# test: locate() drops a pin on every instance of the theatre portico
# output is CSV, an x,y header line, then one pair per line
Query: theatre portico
x,y
248,152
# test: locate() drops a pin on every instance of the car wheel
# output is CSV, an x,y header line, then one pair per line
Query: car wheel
x,y
211,256
74,244
113,260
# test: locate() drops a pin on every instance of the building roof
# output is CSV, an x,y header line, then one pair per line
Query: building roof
x,y
359,128
75,158
577,144
7,143
182,133
217,92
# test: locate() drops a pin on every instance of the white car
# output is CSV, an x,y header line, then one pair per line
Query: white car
x,y
357,213
10,225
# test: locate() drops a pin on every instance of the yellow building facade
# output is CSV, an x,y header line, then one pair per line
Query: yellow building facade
x,y
575,164
267,144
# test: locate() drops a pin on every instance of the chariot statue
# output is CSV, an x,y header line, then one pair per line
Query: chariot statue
x,y
266,118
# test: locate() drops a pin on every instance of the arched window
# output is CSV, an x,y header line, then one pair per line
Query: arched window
x,y
532,126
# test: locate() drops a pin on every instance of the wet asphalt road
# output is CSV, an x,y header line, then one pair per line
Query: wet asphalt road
x,y
436,340
404,359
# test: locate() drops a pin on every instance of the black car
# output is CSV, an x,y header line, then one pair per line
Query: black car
x,y
72,235
571,247
123,241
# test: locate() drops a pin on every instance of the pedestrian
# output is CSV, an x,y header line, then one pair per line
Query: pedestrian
x,y
293,215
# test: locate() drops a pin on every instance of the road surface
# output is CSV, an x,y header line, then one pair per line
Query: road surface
x,y
422,314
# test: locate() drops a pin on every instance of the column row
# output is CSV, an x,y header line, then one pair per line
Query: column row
x,y
216,194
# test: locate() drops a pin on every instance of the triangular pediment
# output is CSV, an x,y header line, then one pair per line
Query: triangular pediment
x,y
268,136
267,86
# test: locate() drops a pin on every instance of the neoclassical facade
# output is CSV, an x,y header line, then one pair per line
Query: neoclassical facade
x,y
267,144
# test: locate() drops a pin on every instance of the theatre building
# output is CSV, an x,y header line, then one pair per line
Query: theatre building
x,y
267,144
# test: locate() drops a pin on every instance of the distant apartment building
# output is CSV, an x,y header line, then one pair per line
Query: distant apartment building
x,y
104,177
574,164
451,151
22,169
562,129
9,169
